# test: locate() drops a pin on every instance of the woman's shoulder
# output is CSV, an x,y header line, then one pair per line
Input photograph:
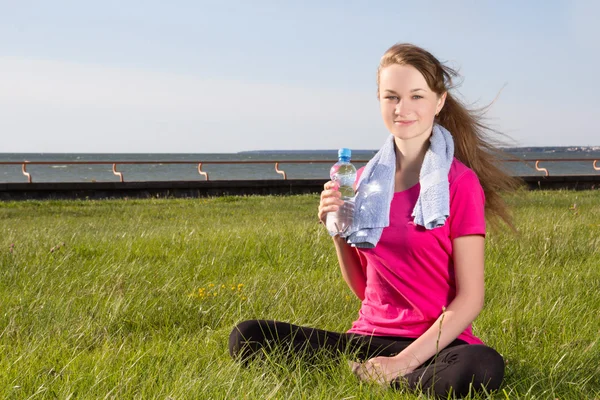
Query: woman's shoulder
x,y
459,172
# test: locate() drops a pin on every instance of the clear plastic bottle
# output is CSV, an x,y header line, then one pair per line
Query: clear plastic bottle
x,y
344,173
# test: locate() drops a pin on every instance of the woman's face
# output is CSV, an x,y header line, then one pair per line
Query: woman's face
x,y
408,105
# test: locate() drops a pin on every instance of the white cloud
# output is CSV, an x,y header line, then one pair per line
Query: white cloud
x,y
54,106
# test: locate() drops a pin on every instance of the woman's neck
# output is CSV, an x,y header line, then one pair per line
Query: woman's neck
x,y
409,158
410,154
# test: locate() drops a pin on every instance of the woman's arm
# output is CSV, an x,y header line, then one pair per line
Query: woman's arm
x,y
468,268
351,268
350,265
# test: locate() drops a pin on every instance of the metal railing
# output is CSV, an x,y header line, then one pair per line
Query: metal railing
x,y
27,174
545,170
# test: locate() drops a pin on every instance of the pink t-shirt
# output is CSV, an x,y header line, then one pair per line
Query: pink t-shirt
x,y
410,273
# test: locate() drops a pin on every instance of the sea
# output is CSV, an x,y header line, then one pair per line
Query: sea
x,y
523,164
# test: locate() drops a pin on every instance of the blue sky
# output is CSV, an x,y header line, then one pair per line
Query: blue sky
x,y
228,76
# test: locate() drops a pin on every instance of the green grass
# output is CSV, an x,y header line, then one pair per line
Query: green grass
x,y
136,298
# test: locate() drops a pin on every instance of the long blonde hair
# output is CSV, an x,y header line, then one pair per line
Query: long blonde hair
x,y
472,143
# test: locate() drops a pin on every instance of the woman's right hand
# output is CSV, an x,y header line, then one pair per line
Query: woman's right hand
x,y
331,200
350,265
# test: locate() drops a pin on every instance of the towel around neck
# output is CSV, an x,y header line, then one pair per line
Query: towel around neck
x,y
375,190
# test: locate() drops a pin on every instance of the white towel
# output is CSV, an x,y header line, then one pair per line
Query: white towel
x,y
433,206
374,193
375,190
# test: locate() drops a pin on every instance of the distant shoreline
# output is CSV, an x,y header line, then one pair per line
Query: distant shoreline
x,y
541,149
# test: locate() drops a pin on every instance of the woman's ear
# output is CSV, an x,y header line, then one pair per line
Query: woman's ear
x,y
441,102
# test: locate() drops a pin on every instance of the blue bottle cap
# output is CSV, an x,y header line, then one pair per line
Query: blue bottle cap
x,y
344,153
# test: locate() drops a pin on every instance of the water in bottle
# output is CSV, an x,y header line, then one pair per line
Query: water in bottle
x,y
344,173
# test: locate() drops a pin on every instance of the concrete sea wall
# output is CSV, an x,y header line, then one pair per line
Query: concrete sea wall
x,y
107,190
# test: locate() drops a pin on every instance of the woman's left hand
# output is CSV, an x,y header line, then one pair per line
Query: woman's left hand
x,y
383,370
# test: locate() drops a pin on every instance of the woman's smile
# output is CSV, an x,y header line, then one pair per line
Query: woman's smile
x,y
404,123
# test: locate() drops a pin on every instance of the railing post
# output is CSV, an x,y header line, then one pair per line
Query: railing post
x,y
27,174
205,174
117,173
281,172
537,162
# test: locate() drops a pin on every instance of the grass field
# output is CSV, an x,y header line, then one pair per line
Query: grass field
x,y
136,298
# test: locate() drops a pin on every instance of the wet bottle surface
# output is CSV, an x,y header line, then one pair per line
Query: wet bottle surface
x,y
344,173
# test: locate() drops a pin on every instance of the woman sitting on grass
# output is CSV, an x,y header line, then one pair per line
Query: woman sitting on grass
x,y
420,287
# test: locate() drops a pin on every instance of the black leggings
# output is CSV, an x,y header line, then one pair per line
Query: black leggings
x,y
456,369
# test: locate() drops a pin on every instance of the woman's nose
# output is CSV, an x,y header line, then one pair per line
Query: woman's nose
x,y
400,108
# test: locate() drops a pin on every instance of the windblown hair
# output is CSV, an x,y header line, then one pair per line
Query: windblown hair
x,y
473,145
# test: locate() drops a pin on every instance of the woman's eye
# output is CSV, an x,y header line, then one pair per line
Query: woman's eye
x,y
394,98
417,97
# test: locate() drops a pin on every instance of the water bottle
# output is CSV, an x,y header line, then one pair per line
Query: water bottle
x,y
344,173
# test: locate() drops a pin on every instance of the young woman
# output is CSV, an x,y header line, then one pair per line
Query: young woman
x,y
420,288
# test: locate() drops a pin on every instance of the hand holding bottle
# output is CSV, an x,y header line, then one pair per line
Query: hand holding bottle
x,y
331,200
